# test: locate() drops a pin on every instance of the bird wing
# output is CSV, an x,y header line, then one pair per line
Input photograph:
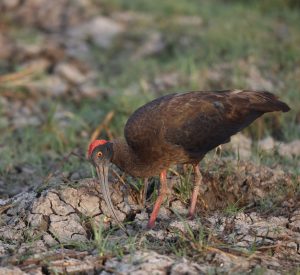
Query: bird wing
x,y
144,129
196,121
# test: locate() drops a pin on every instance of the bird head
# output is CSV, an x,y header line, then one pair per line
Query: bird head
x,y
100,153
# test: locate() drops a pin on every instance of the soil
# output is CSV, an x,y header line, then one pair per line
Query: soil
x,y
239,227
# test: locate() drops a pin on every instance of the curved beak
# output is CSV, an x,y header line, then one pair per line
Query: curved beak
x,y
102,172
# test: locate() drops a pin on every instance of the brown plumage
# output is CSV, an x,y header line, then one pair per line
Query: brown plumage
x,y
180,128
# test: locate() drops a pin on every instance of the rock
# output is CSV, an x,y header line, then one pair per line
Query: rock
x,y
13,270
141,263
267,144
100,30
58,206
13,232
67,228
21,202
42,206
29,52
89,205
37,221
295,221
256,229
185,225
179,207
88,90
164,213
188,268
157,235
241,145
142,219
5,248
256,81
150,262
3,201
227,262
78,49
36,247
60,14
290,150
154,44
70,73
73,266
49,240
71,196
57,214
121,216
103,30
53,86
75,176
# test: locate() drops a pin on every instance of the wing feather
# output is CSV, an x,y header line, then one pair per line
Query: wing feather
x,y
195,121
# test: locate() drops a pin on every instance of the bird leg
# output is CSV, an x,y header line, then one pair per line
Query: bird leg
x,y
162,192
197,183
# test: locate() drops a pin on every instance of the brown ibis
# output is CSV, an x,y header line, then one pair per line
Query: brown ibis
x,y
178,128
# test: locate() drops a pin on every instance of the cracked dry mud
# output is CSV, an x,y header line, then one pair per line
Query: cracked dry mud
x,y
243,227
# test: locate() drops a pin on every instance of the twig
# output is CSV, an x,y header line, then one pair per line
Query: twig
x,y
15,76
109,133
118,176
174,172
102,125
5,207
21,74
214,249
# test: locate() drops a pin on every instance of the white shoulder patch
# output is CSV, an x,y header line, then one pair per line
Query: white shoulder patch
x,y
236,91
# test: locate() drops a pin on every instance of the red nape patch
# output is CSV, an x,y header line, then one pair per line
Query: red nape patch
x,y
94,144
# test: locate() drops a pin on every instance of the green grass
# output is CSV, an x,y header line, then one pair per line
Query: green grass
x,y
231,31
184,187
104,242
233,209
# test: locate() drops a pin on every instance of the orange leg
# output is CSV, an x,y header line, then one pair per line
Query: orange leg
x,y
198,180
159,200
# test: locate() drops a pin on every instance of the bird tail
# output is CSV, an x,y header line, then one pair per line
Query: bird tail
x,y
266,102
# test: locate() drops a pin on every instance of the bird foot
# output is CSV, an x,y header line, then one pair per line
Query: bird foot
x,y
150,225
191,216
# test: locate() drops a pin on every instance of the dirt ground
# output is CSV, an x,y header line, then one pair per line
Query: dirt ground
x,y
240,227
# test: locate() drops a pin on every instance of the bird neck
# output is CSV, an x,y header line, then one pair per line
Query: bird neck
x,y
125,158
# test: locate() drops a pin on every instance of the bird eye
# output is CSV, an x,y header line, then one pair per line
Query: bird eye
x,y
99,154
